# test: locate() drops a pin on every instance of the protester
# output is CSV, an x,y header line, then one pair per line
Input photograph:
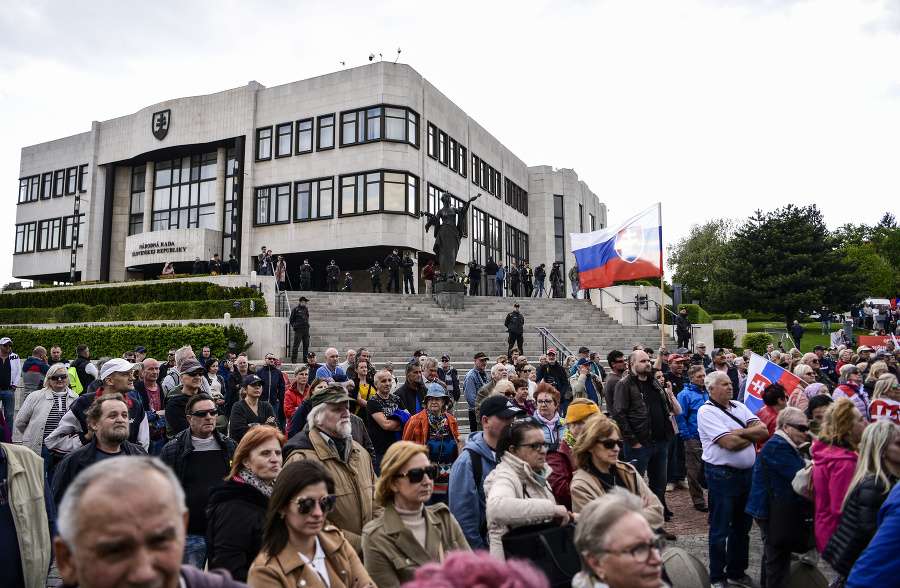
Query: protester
x,y
834,453
408,534
295,394
298,419
438,431
517,490
691,398
877,566
250,411
236,511
581,412
520,397
850,386
299,548
877,471
464,569
775,468
886,399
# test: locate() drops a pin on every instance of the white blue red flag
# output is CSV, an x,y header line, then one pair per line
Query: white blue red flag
x,y
762,374
627,251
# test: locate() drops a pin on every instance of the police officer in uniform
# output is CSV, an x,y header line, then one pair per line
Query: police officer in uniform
x,y
392,264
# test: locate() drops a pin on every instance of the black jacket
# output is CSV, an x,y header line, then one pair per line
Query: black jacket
x,y
454,377
78,460
540,273
392,262
859,521
175,451
306,271
515,323
732,375
78,363
407,265
233,265
300,317
242,417
513,274
409,396
273,384
475,273
199,267
332,271
491,268
632,414
235,517
375,270
683,323
558,374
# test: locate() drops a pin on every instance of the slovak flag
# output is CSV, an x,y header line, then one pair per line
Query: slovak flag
x,y
627,251
761,374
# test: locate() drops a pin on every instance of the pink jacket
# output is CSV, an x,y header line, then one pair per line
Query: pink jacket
x,y
831,477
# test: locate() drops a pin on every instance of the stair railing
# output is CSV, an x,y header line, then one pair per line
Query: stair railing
x,y
548,339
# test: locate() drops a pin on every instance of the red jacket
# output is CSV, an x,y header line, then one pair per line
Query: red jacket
x,y
563,464
416,429
769,417
293,398
428,271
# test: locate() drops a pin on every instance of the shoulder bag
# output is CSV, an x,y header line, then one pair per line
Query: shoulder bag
x,y
790,523
547,546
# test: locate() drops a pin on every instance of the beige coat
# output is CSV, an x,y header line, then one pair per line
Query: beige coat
x,y
287,570
29,511
32,417
585,487
354,485
393,555
515,499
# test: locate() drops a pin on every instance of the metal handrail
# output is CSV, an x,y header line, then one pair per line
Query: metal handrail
x,y
546,336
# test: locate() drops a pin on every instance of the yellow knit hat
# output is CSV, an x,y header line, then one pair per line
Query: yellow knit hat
x,y
581,409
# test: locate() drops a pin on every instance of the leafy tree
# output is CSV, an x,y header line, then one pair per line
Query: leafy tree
x,y
787,262
697,259
881,279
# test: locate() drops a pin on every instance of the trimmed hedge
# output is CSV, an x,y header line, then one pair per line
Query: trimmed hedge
x,y
151,311
114,341
723,338
697,315
121,295
757,342
728,316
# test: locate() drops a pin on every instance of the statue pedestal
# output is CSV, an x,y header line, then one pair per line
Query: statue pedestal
x,y
450,295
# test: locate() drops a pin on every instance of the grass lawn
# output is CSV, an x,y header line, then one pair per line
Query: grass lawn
x,y
812,337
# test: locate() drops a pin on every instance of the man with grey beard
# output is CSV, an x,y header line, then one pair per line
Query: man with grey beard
x,y
328,441
107,419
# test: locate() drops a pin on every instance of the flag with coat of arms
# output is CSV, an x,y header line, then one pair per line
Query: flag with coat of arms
x,y
762,374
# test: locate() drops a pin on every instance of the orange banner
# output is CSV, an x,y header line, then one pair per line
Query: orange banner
x,y
875,342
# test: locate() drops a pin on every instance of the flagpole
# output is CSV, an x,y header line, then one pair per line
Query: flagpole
x,y
662,312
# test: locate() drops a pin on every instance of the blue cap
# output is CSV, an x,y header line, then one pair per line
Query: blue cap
x,y
436,391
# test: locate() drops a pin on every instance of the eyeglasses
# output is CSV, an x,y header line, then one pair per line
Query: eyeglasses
x,y
416,475
509,394
641,551
612,443
205,413
801,428
814,361
306,505
536,447
59,377
545,401
528,371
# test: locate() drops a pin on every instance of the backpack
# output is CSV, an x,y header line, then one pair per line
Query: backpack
x,y
75,381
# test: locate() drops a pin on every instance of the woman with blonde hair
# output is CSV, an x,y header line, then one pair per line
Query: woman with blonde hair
x,y
599,470
886,399
408,534
834,453
876,474
875,370
798,398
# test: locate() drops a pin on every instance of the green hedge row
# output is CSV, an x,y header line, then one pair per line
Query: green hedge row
x,y
757,342
119,295
723,338
697,315
728,316
114,341
150,311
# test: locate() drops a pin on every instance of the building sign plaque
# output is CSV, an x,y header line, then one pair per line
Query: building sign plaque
x,y
157,248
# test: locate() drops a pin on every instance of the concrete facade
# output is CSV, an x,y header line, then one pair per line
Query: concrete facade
x,y
222,128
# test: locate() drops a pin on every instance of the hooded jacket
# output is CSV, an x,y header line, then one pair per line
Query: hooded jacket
x,y
33,372
690,399
235,516
466,495
80,459
831,477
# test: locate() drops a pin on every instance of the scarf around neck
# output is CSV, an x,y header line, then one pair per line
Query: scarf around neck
x,y
249,477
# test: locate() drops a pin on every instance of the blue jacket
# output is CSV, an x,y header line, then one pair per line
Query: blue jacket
x,y
501,274
467,501
690,399
471,385
877,566
782,463
273,384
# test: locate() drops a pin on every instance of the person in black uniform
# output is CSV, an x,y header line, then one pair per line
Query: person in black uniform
x,y
348,282
375,270
514,279
306,275
515,326
474,278
408,284
232,264
332,272
392,264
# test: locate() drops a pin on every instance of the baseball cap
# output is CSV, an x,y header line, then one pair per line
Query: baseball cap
x,y
677,357
419,353
818,348
331,394
251,379
718,350
480,355
304,299
140,349
551,350
682,350
859,350
445,356
5,340
114,365
311,354
516,305
583,349
499,406
584,361
190,366
881,353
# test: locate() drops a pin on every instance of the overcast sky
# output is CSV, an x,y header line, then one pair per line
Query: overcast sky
x,y
714,108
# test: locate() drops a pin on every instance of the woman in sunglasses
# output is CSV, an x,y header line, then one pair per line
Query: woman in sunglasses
x,y
438,431
886,399
599,470
518,490
776,465
408,534
298,548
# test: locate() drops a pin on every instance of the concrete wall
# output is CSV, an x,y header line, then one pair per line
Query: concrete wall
x,y
738,326
618,302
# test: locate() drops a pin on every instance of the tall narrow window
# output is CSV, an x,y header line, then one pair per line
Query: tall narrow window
x,y
264,144
283,139
71,180
136,215
326,133
559,236
304,136
59,185
82,178
432,141
47,185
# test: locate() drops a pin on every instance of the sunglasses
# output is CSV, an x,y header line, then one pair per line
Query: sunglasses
x,y
509,394
59,377
801,428
205,413
612,443
535,446
306,505
416,475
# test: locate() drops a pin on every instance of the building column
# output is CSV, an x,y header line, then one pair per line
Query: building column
x,y
219,210
149,174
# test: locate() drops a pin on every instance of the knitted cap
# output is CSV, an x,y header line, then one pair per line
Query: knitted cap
x,y
580,411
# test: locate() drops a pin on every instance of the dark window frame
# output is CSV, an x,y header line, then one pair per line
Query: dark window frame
x,y
339,192
557,254
362,117
278,138
273,207
194,177
71,180
319,128
27,230
46,185
137,218
432,141
516,244
312,136
258,143
59,183
69,221
57,230
318,193
30,189
463,159
82,177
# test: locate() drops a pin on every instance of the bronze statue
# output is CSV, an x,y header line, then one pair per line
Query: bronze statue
x,y
449,223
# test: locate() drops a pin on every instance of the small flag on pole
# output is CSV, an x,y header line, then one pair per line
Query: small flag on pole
x,y
762,374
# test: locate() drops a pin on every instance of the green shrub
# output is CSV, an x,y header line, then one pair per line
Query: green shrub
x,y
114,341
154,311
728,316
723,338
763,317
756,342
118,295
697,315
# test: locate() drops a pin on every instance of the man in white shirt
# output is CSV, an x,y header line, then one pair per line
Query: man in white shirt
x,y
728,431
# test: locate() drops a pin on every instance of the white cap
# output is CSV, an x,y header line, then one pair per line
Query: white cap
x,y
116,365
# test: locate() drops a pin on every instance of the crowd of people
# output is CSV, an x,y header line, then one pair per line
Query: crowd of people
x,y
132,469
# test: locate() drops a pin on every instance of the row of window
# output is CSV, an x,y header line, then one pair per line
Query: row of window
x,y
48,234
516,197
433,201
447,150
485,176
61,182
381,122
367,192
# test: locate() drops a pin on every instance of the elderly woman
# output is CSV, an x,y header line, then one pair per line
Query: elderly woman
x,y
845,356
408,534
236,511
876,474
298,549
886,399
559,453
250,411
775,468
517,490
547,401
851,386
876,368
529,372
834,453
807,377
599,470
520,398
41,412
438,431
617,546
